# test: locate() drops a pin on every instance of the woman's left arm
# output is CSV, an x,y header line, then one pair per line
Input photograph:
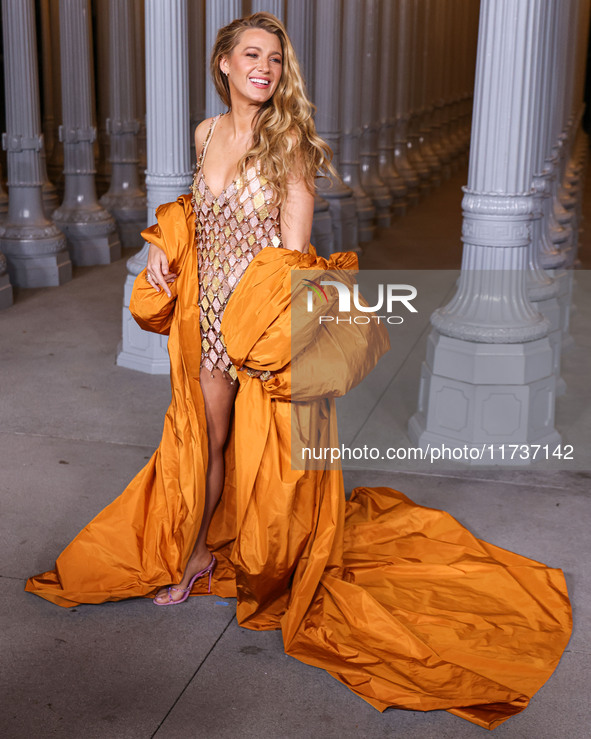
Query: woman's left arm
x,y
296,216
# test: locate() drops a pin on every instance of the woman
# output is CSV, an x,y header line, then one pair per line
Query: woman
x,y
398,602
252,60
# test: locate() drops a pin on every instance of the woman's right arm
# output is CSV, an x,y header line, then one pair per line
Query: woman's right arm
x,y
158,274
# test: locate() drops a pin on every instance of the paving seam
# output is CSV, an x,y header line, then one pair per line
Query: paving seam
x,y
78,438
213,646
368,470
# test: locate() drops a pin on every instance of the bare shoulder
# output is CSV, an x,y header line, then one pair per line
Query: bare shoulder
x,y
201,134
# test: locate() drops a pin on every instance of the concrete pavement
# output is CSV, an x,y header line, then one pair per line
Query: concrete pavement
x,y
75,428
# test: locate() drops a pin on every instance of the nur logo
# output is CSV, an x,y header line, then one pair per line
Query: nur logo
x,y
314,289
388,296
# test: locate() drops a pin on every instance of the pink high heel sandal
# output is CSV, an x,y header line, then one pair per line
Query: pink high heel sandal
x,y
171,602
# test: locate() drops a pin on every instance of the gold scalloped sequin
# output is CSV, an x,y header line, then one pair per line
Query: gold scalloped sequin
x,y
231,229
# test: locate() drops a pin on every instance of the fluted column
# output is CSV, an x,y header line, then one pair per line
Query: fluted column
x,y
218,13
50,199
169,156
124,199
386,109
468,13
90,230
140,85
555,236
458,32
301,17
327,91
48,46
277,7
437,58
102,84
55,155
426,121
574,177
3,197
34,247
488,377
459,29
198,66
499,181
448,31
5,286
565,193
353,15
169,165
415,30
542,289
564,42
402,24
574,171
549,253
371,180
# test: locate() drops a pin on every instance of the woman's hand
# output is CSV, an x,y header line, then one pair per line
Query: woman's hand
x,y
157,273
263,375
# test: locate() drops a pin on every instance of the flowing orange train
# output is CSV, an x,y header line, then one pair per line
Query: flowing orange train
x,y
399,602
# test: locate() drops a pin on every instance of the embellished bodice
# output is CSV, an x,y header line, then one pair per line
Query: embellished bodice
x,y
231,229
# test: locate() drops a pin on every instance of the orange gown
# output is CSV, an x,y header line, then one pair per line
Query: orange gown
x,y
397,601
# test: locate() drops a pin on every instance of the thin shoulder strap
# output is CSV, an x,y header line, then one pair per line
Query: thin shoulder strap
x,y
207,139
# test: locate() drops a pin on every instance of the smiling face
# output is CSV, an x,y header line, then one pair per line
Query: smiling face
x,y
254,66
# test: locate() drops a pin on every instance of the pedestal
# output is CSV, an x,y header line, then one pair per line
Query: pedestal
x,y
33,246
485,394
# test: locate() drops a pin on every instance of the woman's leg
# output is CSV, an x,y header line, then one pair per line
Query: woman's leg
x,y
218,395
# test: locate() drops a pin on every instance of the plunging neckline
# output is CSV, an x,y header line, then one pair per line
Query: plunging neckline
x,y
203,155
223,192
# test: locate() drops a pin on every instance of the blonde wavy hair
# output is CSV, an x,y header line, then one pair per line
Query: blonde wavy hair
x,y
284,136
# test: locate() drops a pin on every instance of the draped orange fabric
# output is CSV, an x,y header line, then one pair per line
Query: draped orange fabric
x,y
399,602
